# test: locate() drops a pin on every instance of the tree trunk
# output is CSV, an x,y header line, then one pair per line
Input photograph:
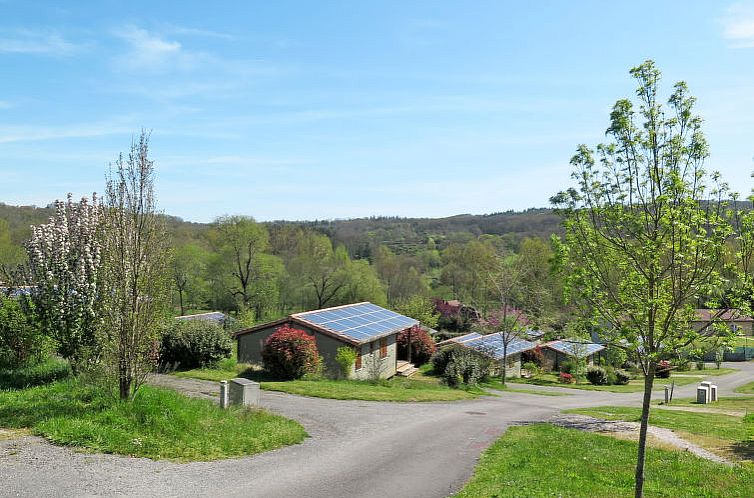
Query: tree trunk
x,y
124,383
646,405
180,298
505,363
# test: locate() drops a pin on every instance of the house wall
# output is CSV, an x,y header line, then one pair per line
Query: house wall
x,y
743,327
553,359
514,366
250,351
371,363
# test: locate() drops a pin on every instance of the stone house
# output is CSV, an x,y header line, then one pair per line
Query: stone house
x,y
556,352
370,329
491,345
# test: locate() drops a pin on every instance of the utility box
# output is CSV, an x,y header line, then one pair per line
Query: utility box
x,y
702,395
708,385
244,392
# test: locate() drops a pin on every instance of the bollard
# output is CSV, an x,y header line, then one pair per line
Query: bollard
x,y
713,393
223,394
708,385
667,394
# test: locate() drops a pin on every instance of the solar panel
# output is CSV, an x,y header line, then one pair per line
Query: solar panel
x,y
575,348
360,322
493,345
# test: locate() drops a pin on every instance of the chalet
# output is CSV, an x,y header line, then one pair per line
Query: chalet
x,y
732,318
491,345
556,352
370,329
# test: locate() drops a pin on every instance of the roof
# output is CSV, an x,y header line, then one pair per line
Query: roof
x,y
212,316
534,334
727,314
356,323
491,344
572,347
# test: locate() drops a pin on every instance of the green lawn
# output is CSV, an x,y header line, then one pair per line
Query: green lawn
x,y
745,389
498,386
40,373
157,424
634,385
541,460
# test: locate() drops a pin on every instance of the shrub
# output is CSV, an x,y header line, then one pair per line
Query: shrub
x,y
21,340
464,366
440,360
615,357
422,345
663,369
345,356
700,365
290,353
597,376
621,378
194,344
531,367
566,378
535,356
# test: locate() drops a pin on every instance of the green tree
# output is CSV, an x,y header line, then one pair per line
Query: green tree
x,y
188,264
12,256
419,308
645,229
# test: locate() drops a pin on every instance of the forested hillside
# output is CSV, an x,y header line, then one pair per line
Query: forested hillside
x,y
260,271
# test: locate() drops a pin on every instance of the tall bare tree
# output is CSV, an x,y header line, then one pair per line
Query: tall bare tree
x,y
135,290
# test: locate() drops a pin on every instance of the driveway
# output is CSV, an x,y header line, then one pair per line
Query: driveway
x,y
356,448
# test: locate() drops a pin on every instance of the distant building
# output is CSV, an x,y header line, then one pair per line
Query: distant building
x,y
213,316
731,317
491,345
370,329
556,352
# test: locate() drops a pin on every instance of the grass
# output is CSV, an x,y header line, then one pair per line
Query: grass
x,y
541,460
634,385
44,372
745,389
497,385
157,424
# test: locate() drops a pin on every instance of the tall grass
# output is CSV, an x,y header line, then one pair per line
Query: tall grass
x,y
37,374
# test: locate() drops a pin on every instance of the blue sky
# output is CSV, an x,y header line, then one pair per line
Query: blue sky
x,y
324,109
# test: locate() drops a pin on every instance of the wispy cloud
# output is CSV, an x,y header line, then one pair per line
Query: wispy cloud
x,y
173,29
153,52
36,42
738,25
29,133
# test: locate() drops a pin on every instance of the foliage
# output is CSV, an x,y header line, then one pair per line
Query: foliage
x,y
597,376
188,264
535,356
21,340
290,353
189,344
135,269
539,460
508,323
64,262
35,374
615,356
531,367
345,357
422,345
621,378
419,308
157,424
646,228
465,366
566,378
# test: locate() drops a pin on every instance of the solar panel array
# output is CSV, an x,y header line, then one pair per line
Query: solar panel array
x,y
573,348
492,345
361,322
468,337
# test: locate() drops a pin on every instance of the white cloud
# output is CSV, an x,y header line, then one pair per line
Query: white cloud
x,y
738,25
21,133
25,41
149,51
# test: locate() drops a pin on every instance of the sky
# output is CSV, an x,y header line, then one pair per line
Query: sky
x,y
341,109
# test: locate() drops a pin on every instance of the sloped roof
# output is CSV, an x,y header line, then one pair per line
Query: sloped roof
x,y
212,316
491,344
575,348
726,315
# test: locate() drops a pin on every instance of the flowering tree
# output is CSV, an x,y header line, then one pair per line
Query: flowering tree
x,y
64,261
136,268
510,324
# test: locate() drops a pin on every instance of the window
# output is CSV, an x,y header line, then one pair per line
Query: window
x,y
383,347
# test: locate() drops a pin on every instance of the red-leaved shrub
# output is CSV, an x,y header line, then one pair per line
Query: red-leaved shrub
x,y
566,378
663,369
290,353
422,345
535,356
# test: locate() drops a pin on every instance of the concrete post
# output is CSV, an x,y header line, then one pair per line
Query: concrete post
x,y
223,394
713,393
702,395
667,394
708,385
244,392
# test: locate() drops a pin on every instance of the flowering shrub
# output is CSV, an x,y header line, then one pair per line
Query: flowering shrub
x,y
290,353
534,356
422,345
566,378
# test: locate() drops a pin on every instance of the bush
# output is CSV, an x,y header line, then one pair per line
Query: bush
x,y
531,367
41,373
566,378
21,340
422,345
663,369
700,365
615,357
597,376
621,378
345,356
461,365
194,344
290,353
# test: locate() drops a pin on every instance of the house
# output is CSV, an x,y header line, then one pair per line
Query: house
x,y
217,317
492,346
556,352
370,329
732,318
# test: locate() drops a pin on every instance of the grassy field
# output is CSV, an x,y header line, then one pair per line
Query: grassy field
x,y
157,424
745,389
543,461
722,427
44,372
634,385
